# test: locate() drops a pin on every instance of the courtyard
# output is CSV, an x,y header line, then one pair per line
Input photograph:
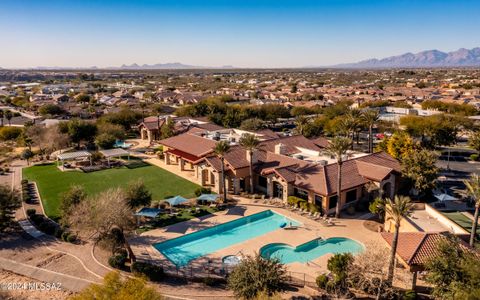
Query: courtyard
x,y
52,182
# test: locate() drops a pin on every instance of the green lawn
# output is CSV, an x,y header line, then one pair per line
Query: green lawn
x,y
52,182
461,220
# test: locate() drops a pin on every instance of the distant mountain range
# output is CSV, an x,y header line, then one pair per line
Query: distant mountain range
x,y
166,66
430,58
175,65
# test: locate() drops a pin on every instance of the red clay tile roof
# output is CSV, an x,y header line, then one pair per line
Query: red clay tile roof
x,y
190,143
267,134
321,142
416,248
372,171
152,125
191,158
291,143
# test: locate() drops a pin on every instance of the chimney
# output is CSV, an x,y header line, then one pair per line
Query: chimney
x,y
280,149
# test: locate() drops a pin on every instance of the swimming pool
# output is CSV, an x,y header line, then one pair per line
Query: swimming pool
x,y
121,144
180,251
310,250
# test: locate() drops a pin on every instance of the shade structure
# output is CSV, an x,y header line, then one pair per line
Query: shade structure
x,y
445,197
114,152
176,200
73,155
208,197
148,212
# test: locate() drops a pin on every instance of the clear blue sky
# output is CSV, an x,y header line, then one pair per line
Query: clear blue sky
x,y
248,33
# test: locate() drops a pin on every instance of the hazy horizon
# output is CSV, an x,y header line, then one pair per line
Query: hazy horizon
x,y
245,34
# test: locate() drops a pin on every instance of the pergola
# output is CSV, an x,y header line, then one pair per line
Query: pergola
x,y
73,156
117,152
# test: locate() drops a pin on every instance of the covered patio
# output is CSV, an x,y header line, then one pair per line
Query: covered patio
x,y
73,156
117,152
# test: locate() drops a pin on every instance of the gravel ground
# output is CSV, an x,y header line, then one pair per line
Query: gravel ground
x,y
7,277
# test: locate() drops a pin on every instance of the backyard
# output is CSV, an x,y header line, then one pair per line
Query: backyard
x,y
52,182
461,220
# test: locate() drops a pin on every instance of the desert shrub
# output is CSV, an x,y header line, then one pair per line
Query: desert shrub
x,y
409,295
322,281
153,272
31,211
117,261
209,281
47,227
72,238
474,157
65,235
58,232
256,274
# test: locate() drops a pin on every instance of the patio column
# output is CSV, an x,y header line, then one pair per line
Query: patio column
x,y
167,158
181,164
269,187
414,280
217,183
236,185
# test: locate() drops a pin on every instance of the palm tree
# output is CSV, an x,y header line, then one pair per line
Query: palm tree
x,y
301,123
396,210
370,118
250,143
2,115
8,116
473,190
338,148
222,148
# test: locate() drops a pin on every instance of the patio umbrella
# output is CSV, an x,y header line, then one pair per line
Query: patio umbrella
x,y
148,212
445,197
176,200
208,197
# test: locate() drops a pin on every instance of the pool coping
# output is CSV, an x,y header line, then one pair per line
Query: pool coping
x,y
301,224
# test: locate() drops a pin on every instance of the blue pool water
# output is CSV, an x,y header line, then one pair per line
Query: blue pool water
x,y
180,251
121,144
310,250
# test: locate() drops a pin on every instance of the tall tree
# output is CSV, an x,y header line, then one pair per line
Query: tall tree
x,y
473,190
301,123
250,143
221,149
9,202
9,116
370,118
396,210
420,168
338,149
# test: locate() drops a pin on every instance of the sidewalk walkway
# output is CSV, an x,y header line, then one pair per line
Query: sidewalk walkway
x,y
30,229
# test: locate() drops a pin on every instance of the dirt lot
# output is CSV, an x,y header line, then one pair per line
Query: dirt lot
x,y
30,294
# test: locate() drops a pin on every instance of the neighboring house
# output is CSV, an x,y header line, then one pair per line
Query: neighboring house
x,y
150,127
283,166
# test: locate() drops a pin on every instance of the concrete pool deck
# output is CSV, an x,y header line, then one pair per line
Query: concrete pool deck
x,y
350,228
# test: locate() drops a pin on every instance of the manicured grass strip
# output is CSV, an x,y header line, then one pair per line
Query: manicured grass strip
x,y
52,182
461,220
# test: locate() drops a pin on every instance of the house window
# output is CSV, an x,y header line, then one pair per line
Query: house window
x,y
262,181
319,202
351,196
332,203
300,194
